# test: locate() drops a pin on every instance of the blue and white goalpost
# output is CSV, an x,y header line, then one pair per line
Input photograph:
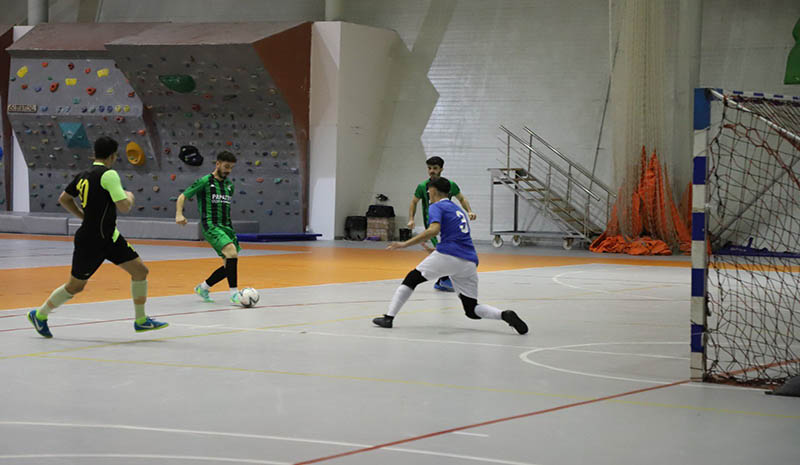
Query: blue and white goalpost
x,y
745,283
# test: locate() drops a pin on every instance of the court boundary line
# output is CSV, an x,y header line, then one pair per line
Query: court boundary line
x,y
488,422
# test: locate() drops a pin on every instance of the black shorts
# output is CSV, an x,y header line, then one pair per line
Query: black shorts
x,y
91,251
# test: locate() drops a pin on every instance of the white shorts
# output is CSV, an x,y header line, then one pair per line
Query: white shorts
x,y
463,273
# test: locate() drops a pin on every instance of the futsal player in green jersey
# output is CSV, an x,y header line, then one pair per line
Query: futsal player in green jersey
x,y
100,193
435,167
214,195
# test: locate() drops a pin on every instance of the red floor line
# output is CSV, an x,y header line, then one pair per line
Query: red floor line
x,y
499,420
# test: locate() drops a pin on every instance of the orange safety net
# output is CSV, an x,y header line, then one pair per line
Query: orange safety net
x,y
656,226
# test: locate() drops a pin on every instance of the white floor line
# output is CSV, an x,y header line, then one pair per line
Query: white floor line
x,y
142,456
557,280
233,435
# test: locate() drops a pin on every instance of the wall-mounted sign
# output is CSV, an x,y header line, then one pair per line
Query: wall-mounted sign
x,y
22,108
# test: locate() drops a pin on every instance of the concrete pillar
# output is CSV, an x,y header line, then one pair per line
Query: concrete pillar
x,y
38,11
333,10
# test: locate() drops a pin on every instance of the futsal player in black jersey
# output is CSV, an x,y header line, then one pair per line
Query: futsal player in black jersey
x,y
99,193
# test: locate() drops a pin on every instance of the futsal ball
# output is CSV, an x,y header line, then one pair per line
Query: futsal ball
x,y
248,297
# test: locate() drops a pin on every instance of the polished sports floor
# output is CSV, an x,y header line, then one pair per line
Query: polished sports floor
x,y
305,377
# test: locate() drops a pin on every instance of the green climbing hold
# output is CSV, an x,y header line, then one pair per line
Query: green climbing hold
x,y
182,83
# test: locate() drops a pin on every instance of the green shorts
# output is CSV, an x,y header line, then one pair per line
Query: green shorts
x,y
219,237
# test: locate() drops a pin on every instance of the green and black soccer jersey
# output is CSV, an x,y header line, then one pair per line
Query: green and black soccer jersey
x,y
422,193
214,199
98,188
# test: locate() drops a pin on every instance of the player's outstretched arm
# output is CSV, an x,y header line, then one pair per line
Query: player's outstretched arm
x,y
179,218
68,202
432,231
464,203
412,210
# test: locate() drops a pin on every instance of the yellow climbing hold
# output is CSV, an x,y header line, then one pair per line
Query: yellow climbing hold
x,y
22,71
102,72
274,153
126,108
71,81
258,162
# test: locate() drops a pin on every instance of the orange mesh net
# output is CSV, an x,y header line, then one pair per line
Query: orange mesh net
x,y
654,224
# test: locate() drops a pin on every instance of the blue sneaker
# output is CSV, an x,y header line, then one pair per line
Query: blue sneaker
x,y
444,285
39,325
203,293
149,325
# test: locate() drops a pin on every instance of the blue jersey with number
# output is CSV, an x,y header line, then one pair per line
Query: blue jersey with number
x,y
454,223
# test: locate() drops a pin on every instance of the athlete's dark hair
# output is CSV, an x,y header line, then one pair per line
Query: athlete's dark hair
x,y
442,185
435,161
104,147
226,156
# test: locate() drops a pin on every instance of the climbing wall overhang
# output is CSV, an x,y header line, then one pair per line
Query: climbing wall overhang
x,y
239,87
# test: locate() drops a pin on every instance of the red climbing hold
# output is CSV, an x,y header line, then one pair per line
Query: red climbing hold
x,y
24,86
70,66
167,150
53,87
141,132
259,180
196,107
87,70
44,64
228,143
91,90
131,94
172,177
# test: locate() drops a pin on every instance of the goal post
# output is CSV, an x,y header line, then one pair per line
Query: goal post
x,y
745,282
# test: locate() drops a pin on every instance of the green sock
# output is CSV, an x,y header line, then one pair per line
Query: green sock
x,y
56,299
138,290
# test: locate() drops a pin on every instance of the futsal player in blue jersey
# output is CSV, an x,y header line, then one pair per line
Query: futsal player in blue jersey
x,y
454,256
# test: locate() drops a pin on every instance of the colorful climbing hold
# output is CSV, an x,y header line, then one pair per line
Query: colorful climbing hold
x,y
53,87
172,177
91,90
102,72
22,71
182,83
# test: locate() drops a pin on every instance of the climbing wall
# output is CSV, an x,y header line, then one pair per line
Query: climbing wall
x,y
208,87
156,89
64,92
68,104
6,37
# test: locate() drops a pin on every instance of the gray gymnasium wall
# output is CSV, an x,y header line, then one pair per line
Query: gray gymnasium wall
x,y
544,63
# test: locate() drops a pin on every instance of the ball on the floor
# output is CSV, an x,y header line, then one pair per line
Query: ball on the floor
x,y
248,297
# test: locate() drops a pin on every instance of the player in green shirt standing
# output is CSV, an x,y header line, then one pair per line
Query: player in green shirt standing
x,y
435,167
214,196
100,194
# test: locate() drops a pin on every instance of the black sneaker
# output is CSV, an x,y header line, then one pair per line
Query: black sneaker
x,y
510,317
384,321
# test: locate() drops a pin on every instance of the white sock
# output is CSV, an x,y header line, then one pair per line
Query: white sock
x,y
400,297
234,290
488,312
204,286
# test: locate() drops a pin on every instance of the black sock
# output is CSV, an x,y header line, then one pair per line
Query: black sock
x,y
230,269
218,275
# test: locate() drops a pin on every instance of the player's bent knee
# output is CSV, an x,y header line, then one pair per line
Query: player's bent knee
x,y
469,305
414,278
